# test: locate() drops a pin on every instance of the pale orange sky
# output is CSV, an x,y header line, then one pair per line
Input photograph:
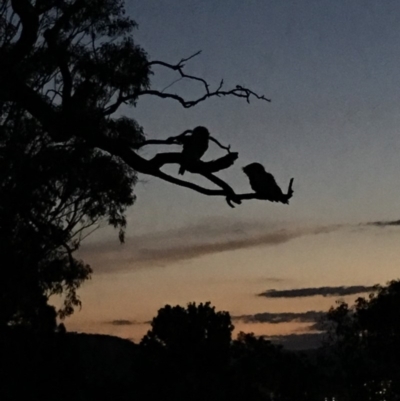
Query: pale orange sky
x,y
124,287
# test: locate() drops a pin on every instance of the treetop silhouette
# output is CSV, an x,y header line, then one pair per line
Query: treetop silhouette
x,y
72,64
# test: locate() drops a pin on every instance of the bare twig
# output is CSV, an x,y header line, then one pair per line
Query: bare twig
x,y
179,67
172,83
227,148
238,91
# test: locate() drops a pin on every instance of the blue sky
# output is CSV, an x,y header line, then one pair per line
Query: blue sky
x,y
332,71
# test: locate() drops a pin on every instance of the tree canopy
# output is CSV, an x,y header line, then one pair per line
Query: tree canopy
x,y
363,345
69,157
72,64
52,196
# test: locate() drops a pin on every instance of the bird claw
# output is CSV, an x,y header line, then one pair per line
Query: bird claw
x,y
233,199
229,202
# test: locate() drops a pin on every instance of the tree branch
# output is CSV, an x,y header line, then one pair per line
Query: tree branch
x,y
67,15
151,167
227,148
52,120
55,120
179,67
175,141
160,159
52,36
155,142
238,91
30,25
43,7
203,168
54,46
230,193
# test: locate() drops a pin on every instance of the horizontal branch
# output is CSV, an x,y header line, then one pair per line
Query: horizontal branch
x,y
155,142
141,165
239,91
176,141
200,167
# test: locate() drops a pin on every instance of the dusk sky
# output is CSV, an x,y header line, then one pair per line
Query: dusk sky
x,y
331,69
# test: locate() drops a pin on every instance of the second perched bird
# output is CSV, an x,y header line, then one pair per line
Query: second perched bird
x,y
264,184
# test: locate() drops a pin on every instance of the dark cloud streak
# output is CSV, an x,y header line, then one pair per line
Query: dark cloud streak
x,y
393,223
123,322
317,291
284,317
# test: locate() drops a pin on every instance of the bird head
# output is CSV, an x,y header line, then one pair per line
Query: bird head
x,y
201,132
253,168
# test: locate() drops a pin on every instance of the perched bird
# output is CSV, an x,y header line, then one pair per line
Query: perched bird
x,y
194,146
264,184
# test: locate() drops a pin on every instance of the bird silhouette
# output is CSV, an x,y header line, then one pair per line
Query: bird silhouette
x,y
194,146
264,184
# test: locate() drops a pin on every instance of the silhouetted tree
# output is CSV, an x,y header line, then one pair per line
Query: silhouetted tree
x,y
52,195
189,352
66,68
365,345
265,371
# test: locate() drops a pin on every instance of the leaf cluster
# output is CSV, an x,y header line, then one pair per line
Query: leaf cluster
x,y
52,197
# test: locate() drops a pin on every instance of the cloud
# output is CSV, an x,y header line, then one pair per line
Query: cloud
x,y
212,236
285,317
384,223
123,322
191,242
314,291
